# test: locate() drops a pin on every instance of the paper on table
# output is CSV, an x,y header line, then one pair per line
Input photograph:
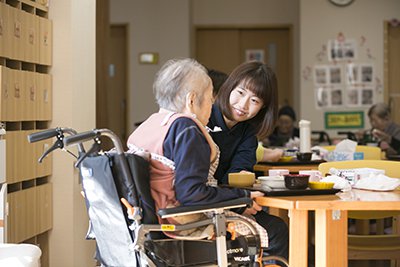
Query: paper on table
x,y
378,182
340,183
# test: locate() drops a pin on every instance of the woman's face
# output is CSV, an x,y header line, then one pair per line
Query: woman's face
x,y
244,104
285,124
203,110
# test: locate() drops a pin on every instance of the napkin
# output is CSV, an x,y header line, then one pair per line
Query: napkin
x,y
340,183
344,150
346,145
378,182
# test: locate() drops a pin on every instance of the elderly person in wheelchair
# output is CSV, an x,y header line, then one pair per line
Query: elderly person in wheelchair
x,y
182,156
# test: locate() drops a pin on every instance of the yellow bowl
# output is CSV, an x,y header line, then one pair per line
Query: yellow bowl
x,y
320,185
241,179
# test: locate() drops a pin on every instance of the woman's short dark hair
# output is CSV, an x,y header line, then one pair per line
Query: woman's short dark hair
x,y
261,80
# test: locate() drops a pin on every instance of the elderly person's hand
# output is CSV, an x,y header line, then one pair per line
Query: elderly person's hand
x,y
255,208
382,136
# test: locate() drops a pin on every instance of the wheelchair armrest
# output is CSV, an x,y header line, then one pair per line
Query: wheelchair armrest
x,y
184,210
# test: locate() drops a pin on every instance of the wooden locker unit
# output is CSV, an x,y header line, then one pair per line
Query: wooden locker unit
x,y
45,41
4,95
44,207
26,107
3,28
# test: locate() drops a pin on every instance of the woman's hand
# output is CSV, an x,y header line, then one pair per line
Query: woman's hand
x,y
272,155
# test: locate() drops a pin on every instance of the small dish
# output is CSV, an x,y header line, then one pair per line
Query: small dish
x,y
286,158
296,181
321,185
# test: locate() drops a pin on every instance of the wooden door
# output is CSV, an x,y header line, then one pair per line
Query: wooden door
x,y
218,49
117,82
275,44
225,48
392,77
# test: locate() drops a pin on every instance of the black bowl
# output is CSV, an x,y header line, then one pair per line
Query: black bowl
x,y
304,156
296,181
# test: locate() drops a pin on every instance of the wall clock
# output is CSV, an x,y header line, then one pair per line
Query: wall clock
x,y
341,2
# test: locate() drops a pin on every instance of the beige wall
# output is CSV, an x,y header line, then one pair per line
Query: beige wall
x,y
74,106
154,26
321,21
253,12
165,27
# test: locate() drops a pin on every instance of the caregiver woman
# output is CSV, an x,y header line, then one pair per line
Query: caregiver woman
x,y
246,108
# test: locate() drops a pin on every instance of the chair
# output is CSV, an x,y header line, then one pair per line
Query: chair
x,y
370,152
363,245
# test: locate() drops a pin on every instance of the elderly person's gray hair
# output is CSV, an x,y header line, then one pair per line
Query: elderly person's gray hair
x,y
381,110
176,79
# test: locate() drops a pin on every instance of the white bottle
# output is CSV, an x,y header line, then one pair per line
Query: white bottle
x,y
305,136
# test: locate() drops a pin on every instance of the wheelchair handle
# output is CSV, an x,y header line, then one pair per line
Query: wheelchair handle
x,y
89,135
80,138
49,133
42,135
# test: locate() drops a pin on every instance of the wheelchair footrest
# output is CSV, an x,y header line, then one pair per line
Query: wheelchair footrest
x,y
173,252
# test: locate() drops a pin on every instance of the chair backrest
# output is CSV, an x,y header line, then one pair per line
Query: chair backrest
x,y
370,152
392,169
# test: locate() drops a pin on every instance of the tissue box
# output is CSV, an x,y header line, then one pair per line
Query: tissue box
x,y
341,156
353,175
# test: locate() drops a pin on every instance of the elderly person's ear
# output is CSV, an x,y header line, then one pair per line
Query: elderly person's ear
x,y
190,101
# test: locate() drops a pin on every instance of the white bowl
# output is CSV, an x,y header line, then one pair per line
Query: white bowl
x,y
275,182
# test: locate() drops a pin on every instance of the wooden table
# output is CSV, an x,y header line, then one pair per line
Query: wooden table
x,y
292,166
330,222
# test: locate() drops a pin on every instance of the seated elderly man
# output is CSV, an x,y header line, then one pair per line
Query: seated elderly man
x,y
384,128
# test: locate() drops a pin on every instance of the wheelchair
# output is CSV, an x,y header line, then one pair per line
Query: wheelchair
x,y
123,220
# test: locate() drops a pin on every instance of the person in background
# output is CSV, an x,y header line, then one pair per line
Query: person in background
x,y
217,78
392,141
246,108
383,128
285,129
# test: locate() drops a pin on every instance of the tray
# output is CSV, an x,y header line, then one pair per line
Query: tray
x,y
292,192
394,157
291,163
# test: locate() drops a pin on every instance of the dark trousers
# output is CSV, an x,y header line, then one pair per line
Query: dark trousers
x,y
278,234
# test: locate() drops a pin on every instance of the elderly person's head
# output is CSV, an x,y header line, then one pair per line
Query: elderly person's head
x,y
286,120
184,86
379,116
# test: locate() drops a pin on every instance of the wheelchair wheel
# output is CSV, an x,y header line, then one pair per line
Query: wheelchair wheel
x,y
274,261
